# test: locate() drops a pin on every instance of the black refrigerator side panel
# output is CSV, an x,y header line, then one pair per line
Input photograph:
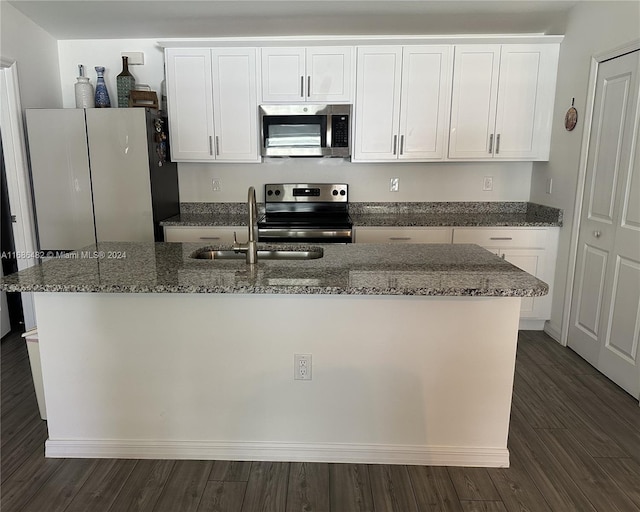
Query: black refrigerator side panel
x,y
165,196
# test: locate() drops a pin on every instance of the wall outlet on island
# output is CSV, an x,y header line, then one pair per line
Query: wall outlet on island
x,y
302,366
215,184
394,184
487,183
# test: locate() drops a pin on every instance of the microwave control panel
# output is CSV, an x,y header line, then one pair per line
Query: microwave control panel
x,y
340,131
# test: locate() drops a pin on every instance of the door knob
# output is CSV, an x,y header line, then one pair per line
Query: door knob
x,y
597,234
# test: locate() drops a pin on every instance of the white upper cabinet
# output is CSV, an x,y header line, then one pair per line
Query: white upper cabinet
x,y
502,101
190,103
235,104
322,74
212,103
402,103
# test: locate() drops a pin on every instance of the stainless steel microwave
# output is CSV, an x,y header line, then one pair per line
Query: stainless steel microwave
x,y
305,130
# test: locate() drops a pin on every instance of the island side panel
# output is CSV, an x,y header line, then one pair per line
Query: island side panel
x,y
405,379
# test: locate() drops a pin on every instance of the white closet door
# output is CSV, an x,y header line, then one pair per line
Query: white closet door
x,y
605,312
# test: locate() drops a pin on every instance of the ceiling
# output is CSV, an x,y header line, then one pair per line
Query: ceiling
x,y
117,19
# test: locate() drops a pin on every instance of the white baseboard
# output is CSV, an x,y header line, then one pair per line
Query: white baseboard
x,y
526,324
281,452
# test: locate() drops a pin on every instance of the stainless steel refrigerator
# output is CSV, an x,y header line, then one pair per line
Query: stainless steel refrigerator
x,y
100,175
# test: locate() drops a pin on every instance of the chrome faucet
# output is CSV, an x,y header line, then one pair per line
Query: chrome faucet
x,y
250,248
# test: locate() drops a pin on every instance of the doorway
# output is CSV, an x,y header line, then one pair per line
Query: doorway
x,y
604,322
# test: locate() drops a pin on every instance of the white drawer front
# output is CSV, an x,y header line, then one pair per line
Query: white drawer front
x,y
407,235
501,237
204,234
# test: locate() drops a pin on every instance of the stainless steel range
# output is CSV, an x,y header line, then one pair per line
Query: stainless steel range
x,y
306,212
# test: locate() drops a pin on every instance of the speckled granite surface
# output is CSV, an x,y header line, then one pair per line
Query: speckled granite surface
x,y
357,269
391,214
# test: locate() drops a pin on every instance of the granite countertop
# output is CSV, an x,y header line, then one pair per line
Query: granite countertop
x,y
503,214
355,269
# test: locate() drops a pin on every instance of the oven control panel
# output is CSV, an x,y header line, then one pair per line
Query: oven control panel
x,y
306,192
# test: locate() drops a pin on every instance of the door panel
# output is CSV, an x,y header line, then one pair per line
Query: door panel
x,y
283,72
609,138
591,285
605,312
329,74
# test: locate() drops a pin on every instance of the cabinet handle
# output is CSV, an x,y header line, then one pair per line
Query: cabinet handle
x,y
399,238
209,238
217,145
401,144
395,144
501,238
308,86
302,87
497,144
210,145
491,143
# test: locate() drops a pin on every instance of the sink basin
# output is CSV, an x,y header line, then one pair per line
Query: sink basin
x,y
263,254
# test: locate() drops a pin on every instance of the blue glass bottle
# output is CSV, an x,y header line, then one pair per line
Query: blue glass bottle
x,y
102,95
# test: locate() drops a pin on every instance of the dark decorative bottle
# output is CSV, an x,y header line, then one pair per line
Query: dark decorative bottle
x,y
126,83
102,95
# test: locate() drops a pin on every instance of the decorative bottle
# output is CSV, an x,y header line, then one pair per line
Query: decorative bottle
x,y
102,95
126,83
84,91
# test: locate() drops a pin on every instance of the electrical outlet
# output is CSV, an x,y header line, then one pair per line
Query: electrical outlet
x,y
302,366
216,185
487,183
394,184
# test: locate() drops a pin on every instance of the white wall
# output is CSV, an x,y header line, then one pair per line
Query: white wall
x,y
107,53
368,182
36,54
587,34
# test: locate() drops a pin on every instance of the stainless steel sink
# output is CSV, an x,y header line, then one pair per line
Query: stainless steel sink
x,y
263,254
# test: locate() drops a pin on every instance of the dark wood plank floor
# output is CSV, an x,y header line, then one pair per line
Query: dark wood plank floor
x,y
574,442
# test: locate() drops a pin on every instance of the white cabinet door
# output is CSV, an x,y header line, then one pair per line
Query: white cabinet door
x,y
424,103
474,100
377,107
318,74
190,103
531,261
235,104
526,92
283,75
502,101
329,74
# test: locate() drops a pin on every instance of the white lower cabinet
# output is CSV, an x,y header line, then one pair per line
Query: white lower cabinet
x,y
204,234
534,250
407,235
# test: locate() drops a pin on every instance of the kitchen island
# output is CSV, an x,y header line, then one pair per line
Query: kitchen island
x,y
149,353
